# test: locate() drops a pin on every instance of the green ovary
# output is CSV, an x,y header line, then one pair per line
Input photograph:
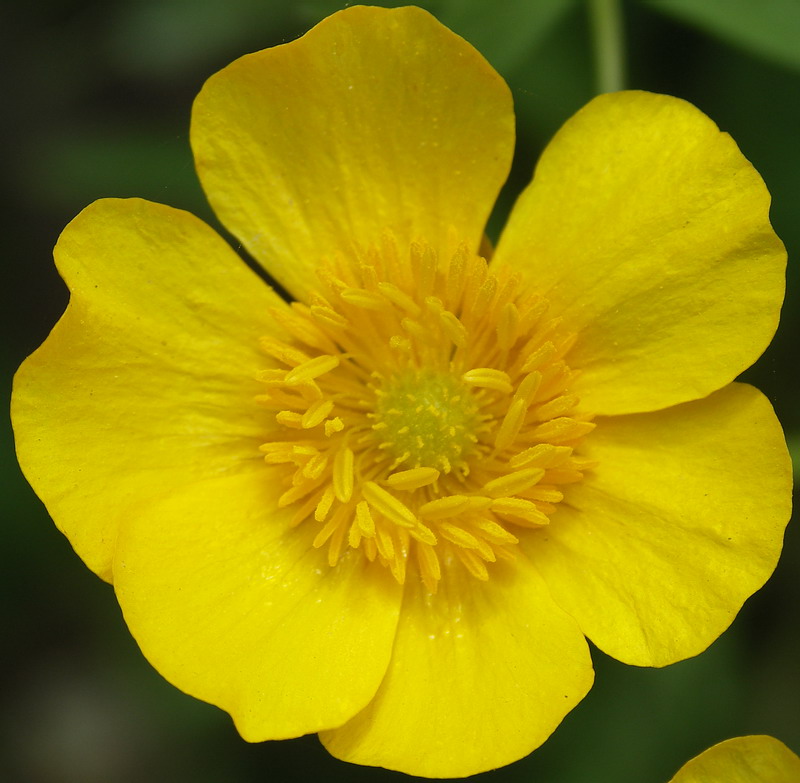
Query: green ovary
x,y
427,419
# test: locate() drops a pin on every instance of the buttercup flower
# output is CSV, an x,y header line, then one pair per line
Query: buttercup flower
x,y
756,759
391,511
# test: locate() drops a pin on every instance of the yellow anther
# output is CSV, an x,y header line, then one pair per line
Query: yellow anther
x,y
296,493
557,407
282,352
539,357
364,519
486,294
354,536
412,479
427,263
324,504
542,455
441,508
458,535
316,413
400,298
429,566
385,543
363,299
401,344
290,419
423,533
415,329
473,563
494,532
328,529
488,378
545,494
343,474
329,317
313,368
333,425
526,391
453,328
513,483
455,280
388,505
562,429
511,424
302,329
508,326
315,466
521,509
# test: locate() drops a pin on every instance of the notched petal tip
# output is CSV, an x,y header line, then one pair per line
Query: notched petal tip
x,y
361,126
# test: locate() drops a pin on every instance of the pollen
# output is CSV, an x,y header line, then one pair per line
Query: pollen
x,y
424,410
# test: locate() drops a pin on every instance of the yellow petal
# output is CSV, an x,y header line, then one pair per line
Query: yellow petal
x,y
234,607
146,382
681,521
377,119
481,674
754,759
649,233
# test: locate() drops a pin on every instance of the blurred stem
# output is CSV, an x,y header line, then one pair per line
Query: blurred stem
x,y
609,46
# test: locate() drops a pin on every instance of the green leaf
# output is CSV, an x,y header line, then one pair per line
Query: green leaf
x,y
769,28
504,31
793,443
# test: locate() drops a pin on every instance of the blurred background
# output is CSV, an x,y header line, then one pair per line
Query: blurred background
x,y
98,95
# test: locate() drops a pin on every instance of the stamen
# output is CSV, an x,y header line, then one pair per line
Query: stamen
x,y
425,408
364,519
413,479
508,326
388,505
310,369
511,425
343,474
513,483
488,378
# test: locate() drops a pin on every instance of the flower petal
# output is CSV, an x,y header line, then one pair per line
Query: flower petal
x,y
481,674
649,232
146,382
681,521
754,759
377,119
233,606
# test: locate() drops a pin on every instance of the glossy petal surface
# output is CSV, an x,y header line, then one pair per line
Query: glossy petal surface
x,y
648,231
254,500
146,383
756,759
375,120
681,522
236,608
480,676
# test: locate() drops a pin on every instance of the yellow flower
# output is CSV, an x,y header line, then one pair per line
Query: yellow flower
x,y
391,511
755,759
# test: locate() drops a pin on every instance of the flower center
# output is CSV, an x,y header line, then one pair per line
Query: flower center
x,y
424,411
427,419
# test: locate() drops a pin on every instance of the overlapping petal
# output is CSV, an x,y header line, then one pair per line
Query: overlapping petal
x,y
648,230
754,759
147,381
235,607
136,421
479,676
376,120
681,522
